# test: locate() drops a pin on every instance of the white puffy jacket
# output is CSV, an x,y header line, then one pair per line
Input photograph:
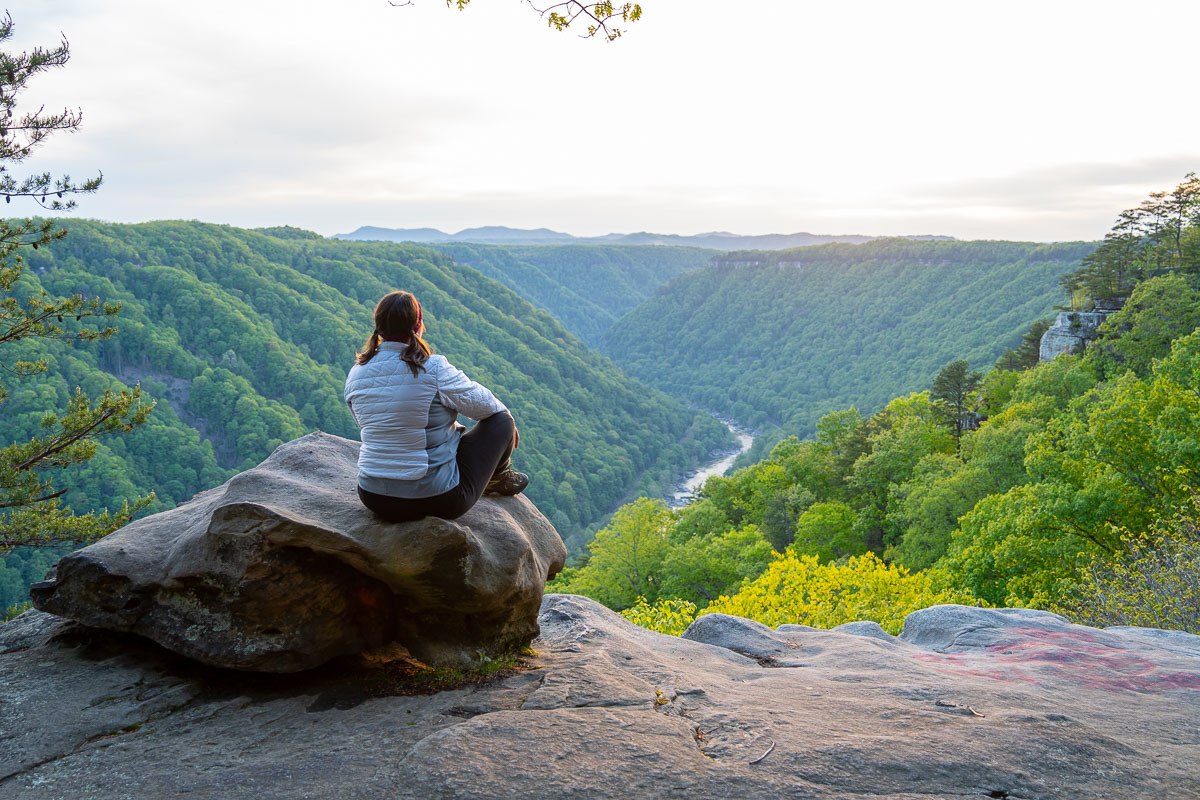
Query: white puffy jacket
x,y
409,439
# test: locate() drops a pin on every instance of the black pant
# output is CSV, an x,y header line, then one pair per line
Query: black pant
x,y
482,451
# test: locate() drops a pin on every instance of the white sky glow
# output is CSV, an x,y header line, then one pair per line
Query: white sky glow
x,y
1016,120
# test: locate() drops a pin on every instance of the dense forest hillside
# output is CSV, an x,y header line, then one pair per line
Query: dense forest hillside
x,y
780,338
588,287
1068,485
244,337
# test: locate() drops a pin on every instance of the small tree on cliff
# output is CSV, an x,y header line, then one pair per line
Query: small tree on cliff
x,y
1025,355
30,507
951,393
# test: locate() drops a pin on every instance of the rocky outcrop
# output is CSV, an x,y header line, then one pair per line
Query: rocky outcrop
x,y
966,703
1070,333
281,569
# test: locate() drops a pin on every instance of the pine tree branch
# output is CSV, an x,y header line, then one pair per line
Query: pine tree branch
x,y
34,500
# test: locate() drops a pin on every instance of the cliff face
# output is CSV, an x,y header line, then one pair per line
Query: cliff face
x,y
966,703
1070,333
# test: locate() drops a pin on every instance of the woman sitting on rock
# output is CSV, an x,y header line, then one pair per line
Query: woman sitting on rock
x,y
416,461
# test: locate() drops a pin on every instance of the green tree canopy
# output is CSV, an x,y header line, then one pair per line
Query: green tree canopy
x,y
828,531
626,556
1159,310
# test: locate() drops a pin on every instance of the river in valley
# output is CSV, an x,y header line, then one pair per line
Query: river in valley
x,y
687,490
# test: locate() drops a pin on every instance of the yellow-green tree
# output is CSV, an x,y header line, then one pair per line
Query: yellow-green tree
x,y
1154,582
800,589
670,616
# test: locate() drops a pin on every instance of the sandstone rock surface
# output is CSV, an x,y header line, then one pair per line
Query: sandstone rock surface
x,y
967,703
1070,333
281,569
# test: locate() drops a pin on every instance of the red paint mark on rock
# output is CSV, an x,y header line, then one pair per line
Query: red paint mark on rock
x,y
1046,657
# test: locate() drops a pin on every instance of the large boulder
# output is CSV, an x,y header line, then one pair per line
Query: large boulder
x,y
281,569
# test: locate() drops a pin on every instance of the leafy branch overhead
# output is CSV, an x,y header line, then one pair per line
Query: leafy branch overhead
x,y
600,19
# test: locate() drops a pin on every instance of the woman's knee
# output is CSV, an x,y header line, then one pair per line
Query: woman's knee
x,y
501,420
500,427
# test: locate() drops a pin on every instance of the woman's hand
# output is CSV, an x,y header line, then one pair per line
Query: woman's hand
x,y
516,437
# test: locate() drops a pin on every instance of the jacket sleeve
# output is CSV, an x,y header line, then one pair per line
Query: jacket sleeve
x,y
457,391
349,400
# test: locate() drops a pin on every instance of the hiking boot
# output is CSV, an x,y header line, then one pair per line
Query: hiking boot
x,y
507,483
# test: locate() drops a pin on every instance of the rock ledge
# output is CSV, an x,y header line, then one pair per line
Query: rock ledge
x,y
967,703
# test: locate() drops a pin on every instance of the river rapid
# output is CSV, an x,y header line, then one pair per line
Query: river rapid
x,y
686,492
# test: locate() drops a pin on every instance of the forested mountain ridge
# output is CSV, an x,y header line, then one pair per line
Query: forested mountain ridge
x,y
587,287
780,338
244,339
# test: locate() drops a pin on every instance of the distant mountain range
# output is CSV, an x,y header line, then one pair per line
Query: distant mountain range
x,y
498,234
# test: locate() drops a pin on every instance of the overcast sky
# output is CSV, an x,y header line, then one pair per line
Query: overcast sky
x,y
1014,120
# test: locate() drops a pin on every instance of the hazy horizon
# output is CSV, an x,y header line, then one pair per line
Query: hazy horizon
x,y
67,217
1026,123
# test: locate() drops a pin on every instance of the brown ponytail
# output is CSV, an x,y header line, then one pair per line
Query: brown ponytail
x,y
369,349
416,353
398,318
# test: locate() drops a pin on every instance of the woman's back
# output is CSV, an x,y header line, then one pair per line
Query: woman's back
x,y
415,459
406,431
